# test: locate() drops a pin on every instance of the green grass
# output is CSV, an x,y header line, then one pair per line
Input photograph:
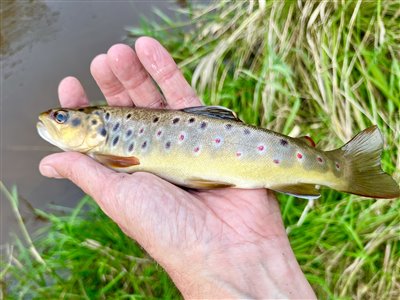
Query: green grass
x,y
327,69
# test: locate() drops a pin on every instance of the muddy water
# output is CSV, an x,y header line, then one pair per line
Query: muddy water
x,y
41,43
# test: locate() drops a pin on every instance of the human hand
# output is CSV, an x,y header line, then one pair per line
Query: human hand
x,y
214,243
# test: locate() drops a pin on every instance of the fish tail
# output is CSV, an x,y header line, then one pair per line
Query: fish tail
x,y
362,166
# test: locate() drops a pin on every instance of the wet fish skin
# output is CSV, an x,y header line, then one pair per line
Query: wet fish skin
x,y
208,147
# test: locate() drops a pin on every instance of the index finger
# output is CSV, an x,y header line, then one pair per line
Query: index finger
x,y
161,66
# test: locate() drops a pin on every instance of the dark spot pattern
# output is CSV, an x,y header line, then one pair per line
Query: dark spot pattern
x,y
115,140
283,142
144,145
155,120
276,161
107,116
203,125
175,120
141,130
81,109
130,149
168,145
128,116
129,133
103,132
228,126
116,126
246,131
76,122
94,122
191,120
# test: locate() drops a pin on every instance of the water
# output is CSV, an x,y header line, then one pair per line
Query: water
x,y
41,43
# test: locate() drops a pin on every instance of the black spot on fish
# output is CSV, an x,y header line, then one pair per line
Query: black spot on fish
x,y
144,145
246,131
116,126
155,120
131,147
81,109
203,125
129,133
228,126
128,116
175,120
283,142
76,122
97,113
94,122
115,140
168,145
103,132
191,120
107,116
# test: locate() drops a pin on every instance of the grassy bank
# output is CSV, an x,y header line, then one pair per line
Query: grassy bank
x,y
304,67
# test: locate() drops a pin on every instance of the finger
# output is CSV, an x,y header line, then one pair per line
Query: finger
x,y
108,83
71,93
80,169
163,69
130,72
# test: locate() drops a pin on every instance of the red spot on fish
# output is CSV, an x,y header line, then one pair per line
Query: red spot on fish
x,y
141,130
238,154
337,165
260,148
276,161
181,137
299,155
196,149
320,160
217,140
159,132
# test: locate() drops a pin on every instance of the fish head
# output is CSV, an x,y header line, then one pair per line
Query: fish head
x,y
71,129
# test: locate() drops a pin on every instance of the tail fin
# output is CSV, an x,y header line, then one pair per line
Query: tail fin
x,y
363,173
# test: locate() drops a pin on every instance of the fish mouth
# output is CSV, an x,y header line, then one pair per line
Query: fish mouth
x,y
43,132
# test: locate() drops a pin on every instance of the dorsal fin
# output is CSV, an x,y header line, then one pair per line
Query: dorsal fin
x,y
306,139
218,112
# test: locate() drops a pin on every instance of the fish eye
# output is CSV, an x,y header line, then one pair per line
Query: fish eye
x,y
60,116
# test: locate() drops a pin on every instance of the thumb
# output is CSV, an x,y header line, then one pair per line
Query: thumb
x,y
92,177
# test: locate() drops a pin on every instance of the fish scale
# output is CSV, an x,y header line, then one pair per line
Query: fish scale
x,y
209,147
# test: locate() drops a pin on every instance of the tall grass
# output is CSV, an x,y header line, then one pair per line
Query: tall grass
x,y
328,69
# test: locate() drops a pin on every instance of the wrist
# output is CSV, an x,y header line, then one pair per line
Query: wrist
x,y
267,270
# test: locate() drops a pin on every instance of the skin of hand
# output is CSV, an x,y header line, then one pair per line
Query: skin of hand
x,y
227,243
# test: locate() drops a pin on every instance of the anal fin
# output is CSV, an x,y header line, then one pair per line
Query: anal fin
x,y
199,183
300,190
114,161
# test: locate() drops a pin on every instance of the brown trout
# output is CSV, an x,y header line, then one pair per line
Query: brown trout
x,y
209,147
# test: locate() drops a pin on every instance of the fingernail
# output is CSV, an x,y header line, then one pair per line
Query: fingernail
x,y
49,171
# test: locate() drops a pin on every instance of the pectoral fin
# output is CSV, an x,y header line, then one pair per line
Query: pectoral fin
x,y
300,190
113,161
198,183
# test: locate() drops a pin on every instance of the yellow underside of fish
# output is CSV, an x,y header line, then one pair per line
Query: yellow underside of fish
x,y
241,173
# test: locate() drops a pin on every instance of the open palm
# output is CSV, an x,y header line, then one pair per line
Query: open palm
x,y
188,232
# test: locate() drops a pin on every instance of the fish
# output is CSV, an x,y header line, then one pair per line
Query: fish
x,y
209,147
